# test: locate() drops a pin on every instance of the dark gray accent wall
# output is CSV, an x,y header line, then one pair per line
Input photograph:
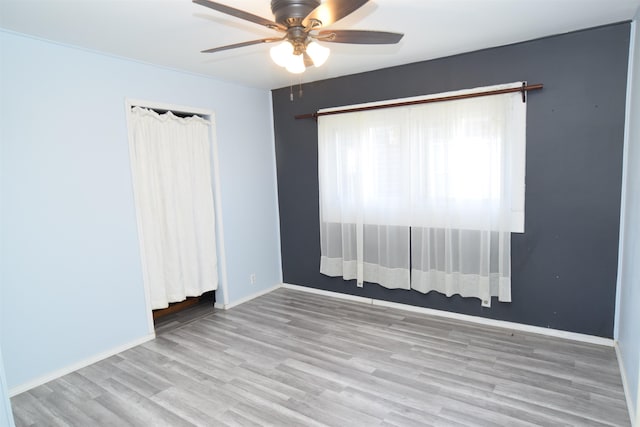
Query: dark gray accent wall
x,y
565,264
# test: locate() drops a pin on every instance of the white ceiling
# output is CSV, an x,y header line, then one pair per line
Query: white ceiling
x,y
171,33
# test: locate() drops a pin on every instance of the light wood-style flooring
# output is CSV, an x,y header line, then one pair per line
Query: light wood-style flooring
x,y
291,358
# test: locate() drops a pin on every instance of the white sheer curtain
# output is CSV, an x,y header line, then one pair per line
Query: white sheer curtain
x,y
426,196
170,159
364,206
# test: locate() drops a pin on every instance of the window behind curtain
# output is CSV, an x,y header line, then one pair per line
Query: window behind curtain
x,y
419,160
455,165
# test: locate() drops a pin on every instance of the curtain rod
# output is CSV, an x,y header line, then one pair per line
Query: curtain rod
x,y
522,89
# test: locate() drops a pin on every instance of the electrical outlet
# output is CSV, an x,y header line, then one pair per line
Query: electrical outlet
x,y
252,278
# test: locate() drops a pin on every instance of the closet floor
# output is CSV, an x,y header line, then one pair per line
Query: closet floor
x,y
178,319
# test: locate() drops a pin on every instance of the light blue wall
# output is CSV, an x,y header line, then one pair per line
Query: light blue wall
x,y
70,266
629,303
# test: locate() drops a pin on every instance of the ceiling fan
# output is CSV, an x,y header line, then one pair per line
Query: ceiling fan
x,y
302,22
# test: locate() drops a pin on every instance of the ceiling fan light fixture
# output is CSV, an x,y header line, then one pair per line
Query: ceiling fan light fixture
x,y
282,53
296,64
302,22
318,53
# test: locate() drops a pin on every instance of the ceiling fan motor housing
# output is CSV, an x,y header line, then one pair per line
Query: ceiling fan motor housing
x,y
292,12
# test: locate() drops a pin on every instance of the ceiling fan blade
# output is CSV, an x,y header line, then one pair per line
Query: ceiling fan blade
x,y
241,14
331,11
243,44
359,37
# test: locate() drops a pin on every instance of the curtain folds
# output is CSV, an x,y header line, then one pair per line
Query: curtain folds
x,y
424,197
384,259
170,159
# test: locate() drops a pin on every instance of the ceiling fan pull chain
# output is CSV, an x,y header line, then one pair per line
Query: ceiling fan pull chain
x,y
291,92
300,88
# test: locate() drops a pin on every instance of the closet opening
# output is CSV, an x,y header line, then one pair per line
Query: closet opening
x,y
175,176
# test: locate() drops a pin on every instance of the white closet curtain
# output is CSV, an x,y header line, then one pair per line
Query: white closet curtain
x,y
426,196
170,159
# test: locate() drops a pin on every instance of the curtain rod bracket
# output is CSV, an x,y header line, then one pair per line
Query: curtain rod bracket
x,y
523,91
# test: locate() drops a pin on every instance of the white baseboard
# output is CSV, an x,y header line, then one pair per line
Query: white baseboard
x,y
328,293
247,298
79,365
574,336
625,386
